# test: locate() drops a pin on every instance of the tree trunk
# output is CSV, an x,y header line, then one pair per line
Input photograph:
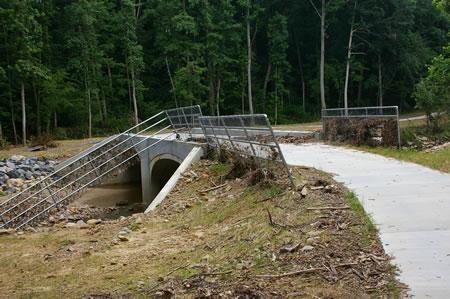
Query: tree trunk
x,y
88,93
380,83
9,85
128,82
55,119
99,104
249,64
172,83
218,96
37,101
276,95
13,118
322,55
133,84
110,81
105,113
349,55
243,99
360,87
302,78
347,70
89,113
24,116
1,132
211,89
266,82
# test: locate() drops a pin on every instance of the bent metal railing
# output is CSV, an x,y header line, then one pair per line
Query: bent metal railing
x,y
247,135
50,192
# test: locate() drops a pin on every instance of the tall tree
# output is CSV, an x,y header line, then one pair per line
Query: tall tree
x,y
28,47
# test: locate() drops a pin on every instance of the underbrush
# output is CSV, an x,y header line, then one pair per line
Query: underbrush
x,y
422,137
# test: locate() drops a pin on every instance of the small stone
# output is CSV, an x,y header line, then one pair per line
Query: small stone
x,y
304,191
122,238
31,229
94,221
125,230
70,224
307,248
199,235
206,258
80,223
138,220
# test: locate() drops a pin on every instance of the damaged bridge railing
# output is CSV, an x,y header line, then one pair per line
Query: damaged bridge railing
x,y
247,135
51,192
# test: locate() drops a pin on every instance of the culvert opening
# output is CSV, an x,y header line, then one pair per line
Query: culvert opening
x,y
162,171
120,195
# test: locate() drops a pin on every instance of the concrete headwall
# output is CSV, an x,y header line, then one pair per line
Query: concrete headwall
x,y
171,150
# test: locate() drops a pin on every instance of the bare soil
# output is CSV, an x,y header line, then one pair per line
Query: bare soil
x,y
212,237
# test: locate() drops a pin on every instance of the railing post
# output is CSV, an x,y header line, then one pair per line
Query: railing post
x,y
281,154
95,169
228,134
246,134
51,194
398,127
214,133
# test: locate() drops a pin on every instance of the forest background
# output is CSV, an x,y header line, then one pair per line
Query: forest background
x,y
87,68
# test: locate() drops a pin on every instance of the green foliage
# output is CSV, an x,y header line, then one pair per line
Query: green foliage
x,y
167,53
133,226
432,93
4,144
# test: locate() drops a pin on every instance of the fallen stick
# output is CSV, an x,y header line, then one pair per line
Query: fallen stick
x,y
213,188
215,273
215,185
269,198
303,271
329,208
176,269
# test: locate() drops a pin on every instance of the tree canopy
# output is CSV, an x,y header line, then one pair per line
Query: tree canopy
x,y
80,68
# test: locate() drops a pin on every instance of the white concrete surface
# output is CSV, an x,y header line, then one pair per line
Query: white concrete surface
x,y
409,203
194,156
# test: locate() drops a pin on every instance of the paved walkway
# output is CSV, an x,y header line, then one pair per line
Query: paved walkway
x,y
409,203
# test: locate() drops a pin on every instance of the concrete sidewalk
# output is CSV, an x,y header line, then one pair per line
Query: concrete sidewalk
x,y
409,203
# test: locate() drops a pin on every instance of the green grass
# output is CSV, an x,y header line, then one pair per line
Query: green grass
x,y
368,228
439,161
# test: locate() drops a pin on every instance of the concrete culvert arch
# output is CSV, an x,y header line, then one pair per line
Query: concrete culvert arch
x,y
161,170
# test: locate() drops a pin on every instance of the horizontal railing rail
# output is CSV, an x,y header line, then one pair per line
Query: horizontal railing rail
x,y
29,204
218,131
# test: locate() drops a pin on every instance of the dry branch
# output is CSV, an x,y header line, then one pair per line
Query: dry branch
x,y
213,188
303,271
329,208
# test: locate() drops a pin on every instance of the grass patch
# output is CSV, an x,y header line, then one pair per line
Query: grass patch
x,y
368,227
439,160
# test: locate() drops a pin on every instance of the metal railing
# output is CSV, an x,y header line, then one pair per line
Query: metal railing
x,y
184,118
355,113
247,135
50,192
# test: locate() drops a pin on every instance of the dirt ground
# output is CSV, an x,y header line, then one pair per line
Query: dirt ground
x,y
215,236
